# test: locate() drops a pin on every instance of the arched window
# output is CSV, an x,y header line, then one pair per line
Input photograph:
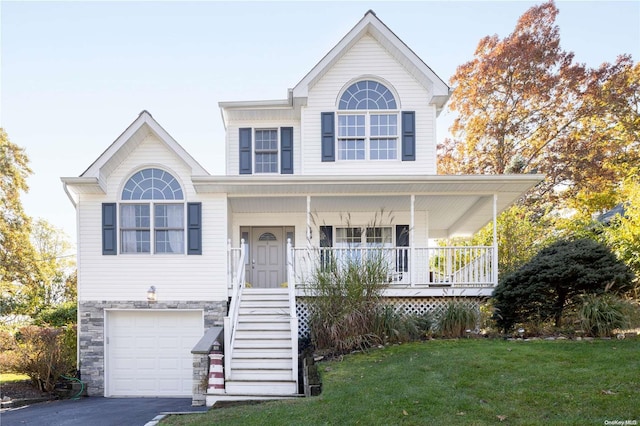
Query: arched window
x,y
152,184
367,94
372,132
162,212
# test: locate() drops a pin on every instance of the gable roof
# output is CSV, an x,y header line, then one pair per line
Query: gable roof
x,y
92,179
371,25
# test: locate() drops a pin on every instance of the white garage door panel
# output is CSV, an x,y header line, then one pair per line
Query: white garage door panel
x,y
149,353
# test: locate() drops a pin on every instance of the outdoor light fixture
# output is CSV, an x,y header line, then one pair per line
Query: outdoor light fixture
x,y
151,294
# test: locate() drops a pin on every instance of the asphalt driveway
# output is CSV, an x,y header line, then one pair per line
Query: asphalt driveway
x,y
97,411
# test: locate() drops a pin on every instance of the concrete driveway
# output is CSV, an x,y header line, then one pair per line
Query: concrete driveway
x,y
97,411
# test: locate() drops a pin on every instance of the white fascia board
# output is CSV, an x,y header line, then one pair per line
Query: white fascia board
x,y
279,103
94,168
229,109
433,184
83,185
377,29
138,125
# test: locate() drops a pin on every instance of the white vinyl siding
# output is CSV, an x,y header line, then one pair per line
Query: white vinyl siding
x,y
176,277
367,59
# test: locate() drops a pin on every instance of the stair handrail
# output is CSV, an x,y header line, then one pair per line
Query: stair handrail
x,y
291,284
231,320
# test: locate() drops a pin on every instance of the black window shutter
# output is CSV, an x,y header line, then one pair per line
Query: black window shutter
x,y
326,236
328,136
194,228
408,136
286,150
402,240
326,241
245,150
109,229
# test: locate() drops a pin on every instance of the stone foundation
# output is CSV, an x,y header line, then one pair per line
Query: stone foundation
x,y
91,332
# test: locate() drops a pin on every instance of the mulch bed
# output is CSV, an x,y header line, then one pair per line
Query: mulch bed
x,y
16,394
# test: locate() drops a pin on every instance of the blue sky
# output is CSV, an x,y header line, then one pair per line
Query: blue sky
x,y
74,75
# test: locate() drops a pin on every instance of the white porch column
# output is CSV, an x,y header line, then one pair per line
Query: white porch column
x,y
412,242
308,221
495,239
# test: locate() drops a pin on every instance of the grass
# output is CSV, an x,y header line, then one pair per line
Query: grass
x,y
12,377
469,382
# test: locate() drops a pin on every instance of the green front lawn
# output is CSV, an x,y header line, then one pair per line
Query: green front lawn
x,y
462,382
11,377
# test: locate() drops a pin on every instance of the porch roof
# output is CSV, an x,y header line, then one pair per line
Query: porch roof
x,y
458,205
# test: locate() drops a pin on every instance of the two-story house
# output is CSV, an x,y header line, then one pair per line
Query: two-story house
x,y
345,163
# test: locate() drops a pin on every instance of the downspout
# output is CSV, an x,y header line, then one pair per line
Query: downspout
x,y
78,295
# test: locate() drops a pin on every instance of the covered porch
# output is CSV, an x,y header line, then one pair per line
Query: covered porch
x,y
398,218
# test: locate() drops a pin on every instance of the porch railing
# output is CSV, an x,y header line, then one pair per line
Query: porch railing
x,y
237,278
471,266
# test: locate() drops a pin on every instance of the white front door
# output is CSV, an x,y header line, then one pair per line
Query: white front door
x,y
267,257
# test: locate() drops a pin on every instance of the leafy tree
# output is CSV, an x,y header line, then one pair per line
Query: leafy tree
x,y
54,264
520,235
554,278
623,233
523,105
18,266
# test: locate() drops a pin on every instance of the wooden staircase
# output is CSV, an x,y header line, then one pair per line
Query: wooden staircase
x,y
263,358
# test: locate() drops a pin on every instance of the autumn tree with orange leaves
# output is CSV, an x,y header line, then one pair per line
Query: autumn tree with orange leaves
x,y
523,105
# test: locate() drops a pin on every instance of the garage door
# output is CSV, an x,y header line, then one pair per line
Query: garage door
x,y
149,352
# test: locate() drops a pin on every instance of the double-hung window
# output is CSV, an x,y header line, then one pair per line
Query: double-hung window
x,y
152,212
367,123
266,151
353,242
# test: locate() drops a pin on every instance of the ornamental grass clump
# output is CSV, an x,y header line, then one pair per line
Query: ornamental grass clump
x,y
393,326
344,306
458,317
601,315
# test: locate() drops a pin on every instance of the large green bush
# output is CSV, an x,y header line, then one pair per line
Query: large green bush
x,y
58,315
555,278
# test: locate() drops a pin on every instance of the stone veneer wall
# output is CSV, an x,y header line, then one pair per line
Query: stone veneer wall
x,y
91,332
200,379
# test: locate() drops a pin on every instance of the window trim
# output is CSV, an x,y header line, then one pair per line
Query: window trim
x,y
367,138
277,152
151,203
363,243
152,229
